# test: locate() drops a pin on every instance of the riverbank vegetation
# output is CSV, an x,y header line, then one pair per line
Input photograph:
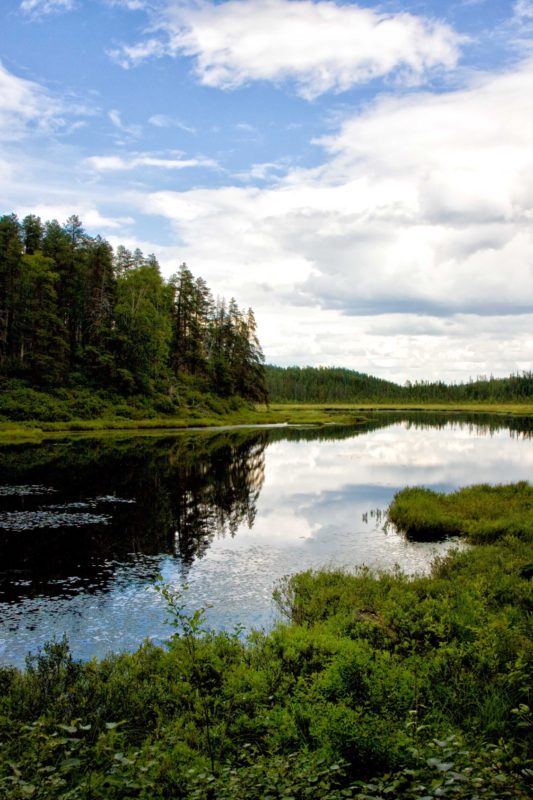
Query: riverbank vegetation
x,y
482,513
112,414
377,685
210,411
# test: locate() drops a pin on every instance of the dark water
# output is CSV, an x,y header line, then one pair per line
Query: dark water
x,y
86,526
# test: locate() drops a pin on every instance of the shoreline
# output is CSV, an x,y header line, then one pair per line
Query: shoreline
x,y
276,415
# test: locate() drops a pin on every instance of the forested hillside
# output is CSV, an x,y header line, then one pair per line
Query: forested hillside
x,y
336,385
75,313
326,384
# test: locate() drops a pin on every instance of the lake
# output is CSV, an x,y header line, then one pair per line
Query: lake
x,y
87,525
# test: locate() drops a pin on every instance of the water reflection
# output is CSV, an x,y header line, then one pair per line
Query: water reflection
x,y
87,525
86,506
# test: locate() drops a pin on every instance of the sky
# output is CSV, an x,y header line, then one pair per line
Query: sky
x,y
359,173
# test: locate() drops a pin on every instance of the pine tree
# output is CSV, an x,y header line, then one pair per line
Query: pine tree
x,y
142,329
40,335
10,260
32,231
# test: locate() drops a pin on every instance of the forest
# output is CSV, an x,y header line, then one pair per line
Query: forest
x,y
335,384
80,317
73,312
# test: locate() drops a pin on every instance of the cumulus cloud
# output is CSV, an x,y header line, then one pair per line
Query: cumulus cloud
x,y
423,205
322,46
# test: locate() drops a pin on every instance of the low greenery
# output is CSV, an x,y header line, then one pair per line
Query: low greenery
x,y
62,406
28,414
483,513
378,685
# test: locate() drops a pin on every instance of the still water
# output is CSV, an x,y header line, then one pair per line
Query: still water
x,y
86,526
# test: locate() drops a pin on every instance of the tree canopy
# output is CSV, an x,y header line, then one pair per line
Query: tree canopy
x,y
74,312
338,385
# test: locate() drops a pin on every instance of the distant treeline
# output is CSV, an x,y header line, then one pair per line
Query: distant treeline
x,y
74,312
333,384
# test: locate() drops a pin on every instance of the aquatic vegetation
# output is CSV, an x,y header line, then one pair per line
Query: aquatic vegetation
x,y
481,512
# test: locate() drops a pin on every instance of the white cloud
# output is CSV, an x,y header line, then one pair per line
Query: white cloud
x,y
131,5
422,208
323,46
263,171
6,170
42,7
88,213
523,8
119,163
25,106
165,121
115,118
129,55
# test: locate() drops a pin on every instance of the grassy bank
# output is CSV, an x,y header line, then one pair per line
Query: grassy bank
x,y
377,685
518,408
30,415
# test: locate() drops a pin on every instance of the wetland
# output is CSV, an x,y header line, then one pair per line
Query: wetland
x,y
87,525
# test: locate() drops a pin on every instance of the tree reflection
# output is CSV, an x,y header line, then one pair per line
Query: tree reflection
x,y
69,514
215,497
75,513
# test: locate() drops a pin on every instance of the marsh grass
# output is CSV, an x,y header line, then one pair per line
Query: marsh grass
x,y
28,414
481,513
122,418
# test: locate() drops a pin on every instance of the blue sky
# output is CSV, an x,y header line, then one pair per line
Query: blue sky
x,y
361,174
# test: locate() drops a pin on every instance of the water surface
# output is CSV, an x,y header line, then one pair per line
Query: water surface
x,y
86,526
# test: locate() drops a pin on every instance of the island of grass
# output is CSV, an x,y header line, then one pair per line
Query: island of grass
x,y
376,685
482,513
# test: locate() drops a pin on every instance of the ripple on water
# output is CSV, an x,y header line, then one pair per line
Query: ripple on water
x,y
26,490
32,520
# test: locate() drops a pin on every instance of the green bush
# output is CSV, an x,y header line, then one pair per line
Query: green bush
x,y
28,404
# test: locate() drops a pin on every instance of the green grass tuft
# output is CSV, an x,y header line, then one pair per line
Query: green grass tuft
x,y
482,513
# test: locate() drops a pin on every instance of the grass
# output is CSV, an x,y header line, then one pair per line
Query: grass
x,y
39,429
519,408
115,415
29,414
482,513
376,685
